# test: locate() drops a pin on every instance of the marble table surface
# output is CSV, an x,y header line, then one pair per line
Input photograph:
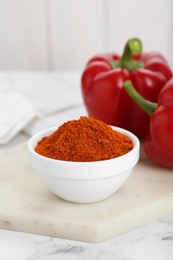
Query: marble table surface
x,y
153,241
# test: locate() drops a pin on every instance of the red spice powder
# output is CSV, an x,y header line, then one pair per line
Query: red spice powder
x,y
84,140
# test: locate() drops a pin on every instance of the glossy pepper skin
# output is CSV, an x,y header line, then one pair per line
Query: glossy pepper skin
x,y
102,86
158,145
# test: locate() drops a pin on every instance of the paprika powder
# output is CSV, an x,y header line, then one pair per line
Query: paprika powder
x,y
84,140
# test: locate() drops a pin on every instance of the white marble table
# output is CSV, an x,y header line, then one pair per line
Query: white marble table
x,y
154,241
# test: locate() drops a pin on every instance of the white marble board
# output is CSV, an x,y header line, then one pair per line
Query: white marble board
x,y
27,205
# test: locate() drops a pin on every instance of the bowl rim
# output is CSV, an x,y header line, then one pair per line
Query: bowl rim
x,y
94,170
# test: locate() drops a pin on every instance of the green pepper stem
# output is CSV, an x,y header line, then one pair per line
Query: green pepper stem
x,y
148,106
133,46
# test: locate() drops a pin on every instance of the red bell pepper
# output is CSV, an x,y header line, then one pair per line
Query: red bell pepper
x,y
158,145
102,85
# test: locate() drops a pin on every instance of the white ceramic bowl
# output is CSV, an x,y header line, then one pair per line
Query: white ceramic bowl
x,y
83,182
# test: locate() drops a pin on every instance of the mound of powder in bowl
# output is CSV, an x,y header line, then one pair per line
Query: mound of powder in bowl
x,y
84,140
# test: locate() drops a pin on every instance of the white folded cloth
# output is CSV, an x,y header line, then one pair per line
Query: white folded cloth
x,y
15,113
32,101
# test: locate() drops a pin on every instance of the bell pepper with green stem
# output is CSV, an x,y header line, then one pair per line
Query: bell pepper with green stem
x,y
158,145
102,85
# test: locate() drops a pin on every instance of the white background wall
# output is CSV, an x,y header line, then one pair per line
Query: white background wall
x,y
64,34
